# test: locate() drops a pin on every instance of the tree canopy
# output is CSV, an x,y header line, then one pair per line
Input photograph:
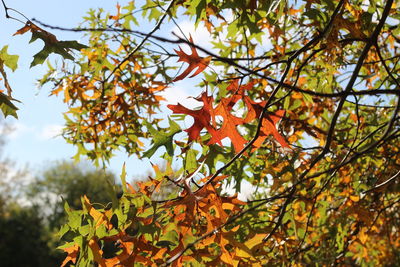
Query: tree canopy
x,y
298,98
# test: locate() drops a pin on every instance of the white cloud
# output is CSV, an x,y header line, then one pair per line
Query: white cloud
x,y
176,94
17,130
50,131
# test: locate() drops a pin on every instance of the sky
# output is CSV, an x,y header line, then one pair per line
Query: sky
x,y
40,117
35,141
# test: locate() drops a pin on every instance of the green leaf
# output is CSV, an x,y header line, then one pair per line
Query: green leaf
x,y
101,231
191,161
84,230
66,245
161,138
11,61
7,107
52,45
164,244
123,178
200,9
172,237
63,230
74,219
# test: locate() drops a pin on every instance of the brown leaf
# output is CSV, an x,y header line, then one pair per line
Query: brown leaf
x,y
29,26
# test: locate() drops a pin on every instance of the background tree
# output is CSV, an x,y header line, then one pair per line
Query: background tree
x,y
63,182
21,227
300,98
23,232
32,209
66,182
12,178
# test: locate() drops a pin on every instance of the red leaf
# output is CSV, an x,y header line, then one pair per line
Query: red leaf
x,y
194,61
239,89
228,128
254,109
269,127
203,118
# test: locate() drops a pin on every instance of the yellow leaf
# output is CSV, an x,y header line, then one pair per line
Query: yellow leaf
x,y
242,253
363,236
355,198
226,257
256,240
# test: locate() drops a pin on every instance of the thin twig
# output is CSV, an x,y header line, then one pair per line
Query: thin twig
x,y
388,181
142,42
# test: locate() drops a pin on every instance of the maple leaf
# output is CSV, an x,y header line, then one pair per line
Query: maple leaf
x,y
203,118
162,139
228,128
194,61
97,252
254,109
269,127
51,44
6,106
72,254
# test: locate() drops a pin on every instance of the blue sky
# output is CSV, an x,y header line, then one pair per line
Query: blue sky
x,y
33,141
40,116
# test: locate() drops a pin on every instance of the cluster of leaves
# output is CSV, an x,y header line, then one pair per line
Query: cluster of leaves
x,y
137,229
111,91
308,116
10,61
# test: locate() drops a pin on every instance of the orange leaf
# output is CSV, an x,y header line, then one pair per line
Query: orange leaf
x,y
24,29
269,127
72,254
98,217
160,254
228,128
226,257
116,17
97,253
194,61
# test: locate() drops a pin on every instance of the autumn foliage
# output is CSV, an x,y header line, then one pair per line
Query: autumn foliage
x,y
298,99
